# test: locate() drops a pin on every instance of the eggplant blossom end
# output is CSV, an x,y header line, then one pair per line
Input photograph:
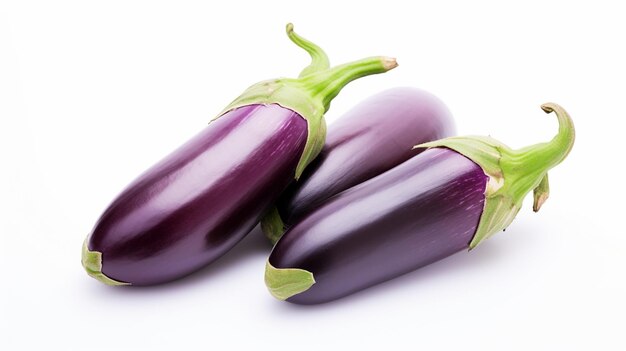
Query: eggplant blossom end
x,y
92,262
512,173
284,283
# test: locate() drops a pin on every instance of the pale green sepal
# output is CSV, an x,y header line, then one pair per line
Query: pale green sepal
x,y
92,262
498,213
288,94
272,225
480,149
512,173
284,283
310,94
541,193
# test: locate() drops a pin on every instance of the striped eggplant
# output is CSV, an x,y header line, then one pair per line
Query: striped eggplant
x,y
371,138
198,202
449,198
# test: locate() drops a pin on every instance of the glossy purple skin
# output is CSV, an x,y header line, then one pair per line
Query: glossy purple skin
x,y
371,138
417,213
198,202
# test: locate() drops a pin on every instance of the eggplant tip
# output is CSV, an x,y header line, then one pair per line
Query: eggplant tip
x,y
548,107
284,283
389,63
92,262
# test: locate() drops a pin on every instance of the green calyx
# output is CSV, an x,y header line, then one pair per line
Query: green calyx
x,y
284,283
92,262
512,173
311,93
272,225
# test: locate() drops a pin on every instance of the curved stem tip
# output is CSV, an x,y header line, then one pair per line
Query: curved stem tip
x,y
319,59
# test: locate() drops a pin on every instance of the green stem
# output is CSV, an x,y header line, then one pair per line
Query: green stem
x,y
319,60
310,94
544,156
327,84
527,167
512,173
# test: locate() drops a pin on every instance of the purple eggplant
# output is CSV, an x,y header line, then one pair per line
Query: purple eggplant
x,y
198,202
373,137
449,198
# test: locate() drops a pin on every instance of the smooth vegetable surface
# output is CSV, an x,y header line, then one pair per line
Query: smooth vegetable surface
x,y
444,200
421,211
198,202
191,207
374,136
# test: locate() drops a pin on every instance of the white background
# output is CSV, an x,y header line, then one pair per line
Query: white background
x,y
94,92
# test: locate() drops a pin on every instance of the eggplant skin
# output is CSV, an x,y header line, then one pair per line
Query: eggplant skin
x,y
417,213
373,137
198,202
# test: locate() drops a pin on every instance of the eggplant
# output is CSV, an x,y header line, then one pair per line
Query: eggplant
x,y
198,202
449,198
371,138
